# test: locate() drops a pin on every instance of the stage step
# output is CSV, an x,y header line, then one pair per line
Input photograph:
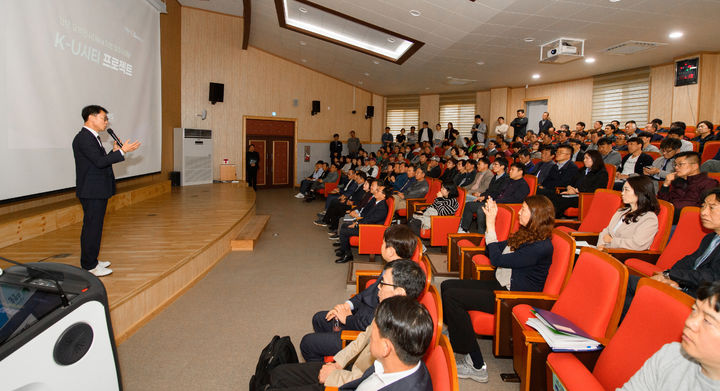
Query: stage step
x,y
250,233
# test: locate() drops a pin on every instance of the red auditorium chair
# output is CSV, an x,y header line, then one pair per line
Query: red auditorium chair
x,y
592,299
604,204
643,332
370,239
440,362
365,278
586,198
710,150
532,183
441,226
499,324
476,241
686,239
325,191
473,260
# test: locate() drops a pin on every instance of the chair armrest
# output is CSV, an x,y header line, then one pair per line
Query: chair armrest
x,y
363,276
504,303
454,256
416,206
468,269
590,237
574,224
349,335
331,388
571,372
410,204
622,255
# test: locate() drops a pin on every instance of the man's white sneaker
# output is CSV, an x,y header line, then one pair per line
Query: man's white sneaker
x,y
461,231
299,195
104,264
466,370
100,271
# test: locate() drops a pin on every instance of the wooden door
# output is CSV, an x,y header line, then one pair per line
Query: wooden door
x,y
274,140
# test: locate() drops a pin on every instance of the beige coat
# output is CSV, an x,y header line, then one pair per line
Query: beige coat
x,y
637,236
359,348
481,182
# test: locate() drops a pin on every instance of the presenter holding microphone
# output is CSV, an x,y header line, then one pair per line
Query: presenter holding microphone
x,y
95,183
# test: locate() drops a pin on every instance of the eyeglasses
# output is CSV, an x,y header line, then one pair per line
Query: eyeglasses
x,y
383,283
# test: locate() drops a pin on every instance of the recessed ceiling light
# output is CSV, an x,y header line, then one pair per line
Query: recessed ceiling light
x,y
391,39
427,88
529,39
614,1
676,34
366,74
415,13
376,62
536,76
480,62
303,60
590,60
303,43
449,77
303,10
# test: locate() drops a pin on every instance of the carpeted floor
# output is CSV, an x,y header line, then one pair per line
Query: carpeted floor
x,y
210,338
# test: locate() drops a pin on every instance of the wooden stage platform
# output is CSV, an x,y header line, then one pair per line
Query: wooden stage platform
x,y
158,247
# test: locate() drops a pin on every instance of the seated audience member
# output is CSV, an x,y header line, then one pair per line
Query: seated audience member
x,y
562,137
332,176
504,149
631,128
610,156
345,189
665,164
423,162
546,136
577,154
307,182
634,225
593,137
594,176
522,264
512,189
374,213
399,177
702,266
652,128
468,171
445,204
450,170
678,132
524,157
342,204
687,185
400,277
646,138
357,312
561,174
401,334
482,180
492,147
545,165
373,170
621,139
704,133
414,189
691,364
633,163
434,170
610,130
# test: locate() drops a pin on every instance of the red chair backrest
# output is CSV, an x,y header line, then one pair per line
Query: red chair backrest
x,y
686,239
562,262
580,165
656,317
515,223
604,205
611,170
461,202
710,150
695,144
505,221
584,202
417,255
440,362
593,297
532,183
665,218
655,143
390,201
433,187
623,153
714,175
654,155
431,301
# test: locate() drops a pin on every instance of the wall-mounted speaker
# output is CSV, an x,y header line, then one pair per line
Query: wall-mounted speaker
x,y
370,112
315,107
217,91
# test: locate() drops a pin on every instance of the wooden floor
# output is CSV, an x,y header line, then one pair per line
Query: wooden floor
x,y
157,247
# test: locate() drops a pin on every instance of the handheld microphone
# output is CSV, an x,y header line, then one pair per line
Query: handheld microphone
x,y
39,273
112,134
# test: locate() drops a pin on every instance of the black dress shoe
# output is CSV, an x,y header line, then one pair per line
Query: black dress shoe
x,y
337,244
333,236
340,253
347,258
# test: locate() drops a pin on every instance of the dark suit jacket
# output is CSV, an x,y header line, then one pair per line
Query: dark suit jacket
x,y
515,192
544,126
374,212
561,176
690,280
644,160
541,170
364,304
496,186
420,134
529,167
530,263
593,180
94,177
352,186
418,381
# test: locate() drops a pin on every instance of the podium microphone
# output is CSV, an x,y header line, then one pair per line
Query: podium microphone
x,y
112,134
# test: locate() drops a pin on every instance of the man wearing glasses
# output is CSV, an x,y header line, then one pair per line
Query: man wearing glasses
x,y
687,185
561,174
95,183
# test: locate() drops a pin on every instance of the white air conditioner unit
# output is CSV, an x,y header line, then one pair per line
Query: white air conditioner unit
x,y
193,149
562,50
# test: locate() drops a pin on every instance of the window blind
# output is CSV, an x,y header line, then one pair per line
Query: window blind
x,y
622,96
402,112
458,108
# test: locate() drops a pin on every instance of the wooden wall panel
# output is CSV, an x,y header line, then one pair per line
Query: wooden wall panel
x,y
661,92
517,101
685,104
482,106
378,121
430,110
568,102
170,49
709,88
498,107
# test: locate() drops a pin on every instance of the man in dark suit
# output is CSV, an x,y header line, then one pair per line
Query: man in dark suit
x,y
425,133
546,163
374,213
545,122
398,351
561,174
95,183
335,147
497,185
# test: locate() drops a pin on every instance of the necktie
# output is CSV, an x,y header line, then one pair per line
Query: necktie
x,y
707,252
101,145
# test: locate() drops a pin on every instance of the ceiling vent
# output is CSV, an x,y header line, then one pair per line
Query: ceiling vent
x,y
459,82
631,47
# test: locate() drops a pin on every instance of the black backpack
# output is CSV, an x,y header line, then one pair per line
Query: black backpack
x,y
278,351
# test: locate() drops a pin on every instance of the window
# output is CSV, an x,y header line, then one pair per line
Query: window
x,y
460,110
622,96
402,112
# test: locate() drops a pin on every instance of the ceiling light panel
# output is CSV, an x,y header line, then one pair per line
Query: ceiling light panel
x,y
344,30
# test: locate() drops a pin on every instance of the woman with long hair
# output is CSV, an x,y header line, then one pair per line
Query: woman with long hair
x,y
522,264
593,177
634,225
445,204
